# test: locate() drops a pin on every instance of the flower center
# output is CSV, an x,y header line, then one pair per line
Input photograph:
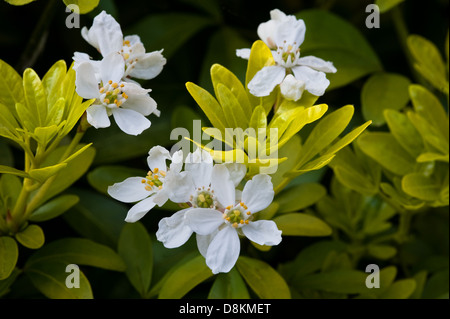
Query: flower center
x,y
287,55
203,198
238,215
154,180
126,53
112,95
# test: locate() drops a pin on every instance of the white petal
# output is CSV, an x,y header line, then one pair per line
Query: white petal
x,y
86,82
200,165
291,32
157,158
130,190
291,88
133,88
317,64
80,57
223,185
223,251
112,68
180,185
134,39
129,121
97,116
266,79
105,34
161,196
149,66
316,82
277,15
203,242
258,193
139,210
237,172
143,104
263,232
243,53
204,221
173,231
177,161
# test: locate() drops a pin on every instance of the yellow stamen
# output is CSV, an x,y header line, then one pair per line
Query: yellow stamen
x,y
110,82
235,225
126,56
156,170
143,181
102,90
162,173
148,188
106,101
114,85
124,95
229,207
160,187
122,85
246,222
248,213
242,221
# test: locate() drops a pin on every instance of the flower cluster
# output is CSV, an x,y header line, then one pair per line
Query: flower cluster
x,y
284,34
109,81
218,212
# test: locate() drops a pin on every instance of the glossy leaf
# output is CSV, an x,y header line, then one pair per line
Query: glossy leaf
x,y
97,217
428,61
229,286
345,281
79,251
50,279
386,5
383,91
31,237
54,208
299,197
265,281
384,149
185,278
84,6
135,248
299,224
12,87
9,254
35,97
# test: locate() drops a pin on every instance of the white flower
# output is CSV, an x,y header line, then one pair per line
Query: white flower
x,y
219,230
128,103
198,189
107,37
154,189
286,34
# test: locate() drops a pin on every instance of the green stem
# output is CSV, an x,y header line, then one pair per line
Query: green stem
x,y
38,198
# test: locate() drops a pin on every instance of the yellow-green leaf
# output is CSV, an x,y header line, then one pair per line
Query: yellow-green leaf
x,y
85,6
31,237
299,224
9,253
265,281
